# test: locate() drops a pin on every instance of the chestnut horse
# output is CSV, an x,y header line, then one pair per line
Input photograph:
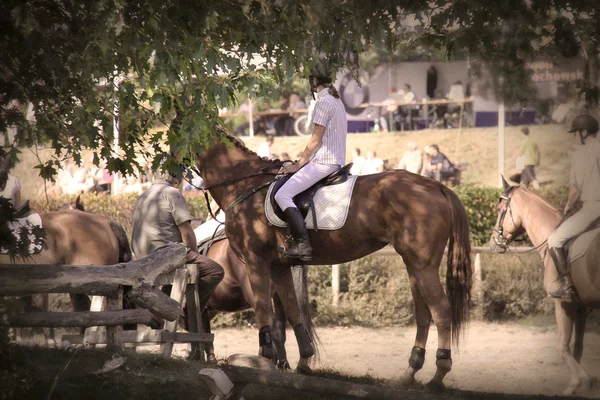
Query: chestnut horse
x,y
235,294
77,238
521,211
416,215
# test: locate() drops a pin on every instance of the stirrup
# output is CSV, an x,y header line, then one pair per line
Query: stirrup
x,y
302,257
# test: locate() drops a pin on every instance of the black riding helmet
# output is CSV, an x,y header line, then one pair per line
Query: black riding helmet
x,y
322,71
585,122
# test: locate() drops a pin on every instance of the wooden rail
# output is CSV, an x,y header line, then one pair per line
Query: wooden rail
x,y
141,275
477,291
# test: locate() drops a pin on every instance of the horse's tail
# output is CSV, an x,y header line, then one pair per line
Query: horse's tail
x,y
459,274
300,276
124,248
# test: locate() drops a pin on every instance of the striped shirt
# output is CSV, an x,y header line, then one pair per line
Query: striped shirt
x,y
330,113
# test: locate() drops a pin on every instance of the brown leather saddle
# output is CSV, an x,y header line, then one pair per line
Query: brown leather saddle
x,y
304,201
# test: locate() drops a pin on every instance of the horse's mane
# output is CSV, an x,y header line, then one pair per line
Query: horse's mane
x,y
540,198
239,144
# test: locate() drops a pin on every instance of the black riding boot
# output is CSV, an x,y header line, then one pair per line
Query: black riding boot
x,y
565,291
301,249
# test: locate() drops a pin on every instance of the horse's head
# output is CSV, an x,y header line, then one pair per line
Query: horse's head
x,y
509,225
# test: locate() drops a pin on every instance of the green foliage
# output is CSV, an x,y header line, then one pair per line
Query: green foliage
x,y
513,287
480,204
118,209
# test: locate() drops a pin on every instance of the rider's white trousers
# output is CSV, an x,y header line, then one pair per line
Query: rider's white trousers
x,y
576,224
306,176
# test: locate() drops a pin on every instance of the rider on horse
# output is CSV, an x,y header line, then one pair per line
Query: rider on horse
x,y
585,186
324,154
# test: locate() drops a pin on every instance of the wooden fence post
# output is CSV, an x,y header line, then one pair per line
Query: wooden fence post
x,y
335,285
178,294
114,334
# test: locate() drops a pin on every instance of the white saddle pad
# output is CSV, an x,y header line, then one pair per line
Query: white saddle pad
x,y
29,222
581,244
209,228
331,206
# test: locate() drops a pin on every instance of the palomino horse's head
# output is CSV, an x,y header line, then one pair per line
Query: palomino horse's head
x,y
508,224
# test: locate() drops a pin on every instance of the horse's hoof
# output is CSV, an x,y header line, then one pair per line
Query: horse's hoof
x,y
407,381
435,387
304,370
211,359
283,365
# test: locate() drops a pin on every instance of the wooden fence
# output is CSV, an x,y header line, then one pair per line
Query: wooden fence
x,y
477,291
165,266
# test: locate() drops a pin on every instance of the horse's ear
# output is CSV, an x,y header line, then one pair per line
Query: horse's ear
x,y
505,184
79,204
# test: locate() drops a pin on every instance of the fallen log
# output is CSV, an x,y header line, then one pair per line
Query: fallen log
x,y
323,386
80,319
26,279
149,336
154,300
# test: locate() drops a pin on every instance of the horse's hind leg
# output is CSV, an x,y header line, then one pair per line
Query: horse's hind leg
x,y
278,328
423,320
428,282
566,321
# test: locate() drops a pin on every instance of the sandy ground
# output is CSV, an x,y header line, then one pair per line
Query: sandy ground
x,y
504,358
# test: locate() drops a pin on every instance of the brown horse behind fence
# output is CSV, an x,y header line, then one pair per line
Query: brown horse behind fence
x,y
77,238
416,215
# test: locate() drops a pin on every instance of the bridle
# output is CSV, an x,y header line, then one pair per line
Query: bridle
x,y
501,241
242,197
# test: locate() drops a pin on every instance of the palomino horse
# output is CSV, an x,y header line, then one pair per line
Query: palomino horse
x,y
78,238
416,215
235,294
521,211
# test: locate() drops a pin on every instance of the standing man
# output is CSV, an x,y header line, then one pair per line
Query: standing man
x,y
585,186
265,148
160,218
529,157
324,154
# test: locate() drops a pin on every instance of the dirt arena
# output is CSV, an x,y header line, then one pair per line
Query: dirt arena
x,y
502,358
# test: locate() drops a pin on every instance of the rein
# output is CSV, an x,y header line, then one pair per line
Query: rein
x,y
239,199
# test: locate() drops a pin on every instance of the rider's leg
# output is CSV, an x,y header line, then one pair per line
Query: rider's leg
x,y
570,228
307,176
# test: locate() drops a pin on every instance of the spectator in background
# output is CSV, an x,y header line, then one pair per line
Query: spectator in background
x,y
10,186
456,92
296,103
412,160
372,164
358,162
440,166
527,160
240,130
284,122
285,157
265,148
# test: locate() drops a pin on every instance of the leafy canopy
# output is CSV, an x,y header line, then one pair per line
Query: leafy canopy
x,y
73,61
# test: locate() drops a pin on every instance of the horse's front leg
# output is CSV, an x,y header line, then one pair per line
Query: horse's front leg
x,y
281,276
261,288
278,327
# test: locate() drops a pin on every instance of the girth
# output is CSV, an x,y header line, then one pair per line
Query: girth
x,y
304,200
